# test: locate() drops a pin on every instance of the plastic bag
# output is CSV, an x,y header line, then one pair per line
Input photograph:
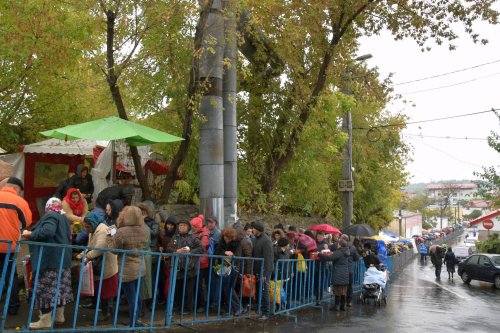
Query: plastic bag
x,y
87,280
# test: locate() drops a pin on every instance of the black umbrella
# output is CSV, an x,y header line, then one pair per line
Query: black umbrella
x,y
362,230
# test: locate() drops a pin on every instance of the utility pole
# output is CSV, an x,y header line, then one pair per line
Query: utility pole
x,y
229,118
211,143
346,185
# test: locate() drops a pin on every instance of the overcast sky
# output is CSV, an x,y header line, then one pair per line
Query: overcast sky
x,y
435,158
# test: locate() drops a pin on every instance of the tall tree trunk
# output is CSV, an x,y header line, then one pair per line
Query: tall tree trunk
x,y
194,88
117,98
284,147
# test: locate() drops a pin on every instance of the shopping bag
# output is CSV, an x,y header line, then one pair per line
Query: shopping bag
x,y
27,272
248,286
272,286
87,288
301,263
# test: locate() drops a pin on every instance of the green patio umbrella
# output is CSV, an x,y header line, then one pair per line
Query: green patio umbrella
x,y
110,129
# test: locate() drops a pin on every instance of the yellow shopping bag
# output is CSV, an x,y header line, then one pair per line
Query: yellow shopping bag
x,y
272,285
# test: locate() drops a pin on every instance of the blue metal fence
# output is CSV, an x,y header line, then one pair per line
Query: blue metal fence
x,y
212,294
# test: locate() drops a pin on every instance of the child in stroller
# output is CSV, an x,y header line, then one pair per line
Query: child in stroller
x,y
374,284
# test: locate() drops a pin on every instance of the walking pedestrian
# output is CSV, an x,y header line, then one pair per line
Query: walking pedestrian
x,y
437,261
450,261
423,252
15,215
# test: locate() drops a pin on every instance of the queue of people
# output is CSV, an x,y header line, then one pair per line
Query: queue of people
x,y
116,225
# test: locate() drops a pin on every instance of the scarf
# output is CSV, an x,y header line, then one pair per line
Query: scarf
x,y
76,207
94,219
54,205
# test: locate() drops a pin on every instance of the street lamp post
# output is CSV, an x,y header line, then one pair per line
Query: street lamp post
x,y
346,185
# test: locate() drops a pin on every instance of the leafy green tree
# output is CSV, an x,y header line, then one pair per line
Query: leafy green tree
x,y
490,245
489,180
474,214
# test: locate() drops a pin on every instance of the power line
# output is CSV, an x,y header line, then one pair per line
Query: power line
x,y
450,85
448,73
444,137
451,156
427,120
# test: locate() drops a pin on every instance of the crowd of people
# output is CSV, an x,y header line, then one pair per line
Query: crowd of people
x,y
153,236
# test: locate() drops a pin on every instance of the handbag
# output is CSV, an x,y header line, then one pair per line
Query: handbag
x,y
248,286
97,265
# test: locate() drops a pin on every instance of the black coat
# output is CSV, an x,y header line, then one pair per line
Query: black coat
x,y
450,261
191,263
340,259
353,258
263,248
85,185
120,192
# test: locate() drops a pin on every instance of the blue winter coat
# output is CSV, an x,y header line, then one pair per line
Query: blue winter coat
x,y
53,228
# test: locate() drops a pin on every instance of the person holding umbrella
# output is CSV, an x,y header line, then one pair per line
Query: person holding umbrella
x,y
437,260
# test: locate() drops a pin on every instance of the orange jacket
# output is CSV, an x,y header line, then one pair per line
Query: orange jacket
x,y
15,214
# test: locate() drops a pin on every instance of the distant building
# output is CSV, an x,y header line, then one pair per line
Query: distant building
x,y
455,192
411,223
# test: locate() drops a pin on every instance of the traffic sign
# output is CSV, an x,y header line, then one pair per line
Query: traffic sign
x,y
488,224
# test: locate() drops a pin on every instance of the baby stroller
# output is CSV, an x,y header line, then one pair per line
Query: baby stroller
x,y
374,284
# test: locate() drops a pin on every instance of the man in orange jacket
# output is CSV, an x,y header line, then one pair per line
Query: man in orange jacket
x,y
15,215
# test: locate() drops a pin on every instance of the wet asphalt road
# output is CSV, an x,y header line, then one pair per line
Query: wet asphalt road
x,y
417,302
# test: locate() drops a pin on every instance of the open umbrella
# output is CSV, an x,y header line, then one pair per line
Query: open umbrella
x,y
359,230
326,228
112,128
433,248
304,241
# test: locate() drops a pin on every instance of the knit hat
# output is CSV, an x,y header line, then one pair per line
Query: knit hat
x,y
183,221
172,219
282,242
197,222
211,219
258,225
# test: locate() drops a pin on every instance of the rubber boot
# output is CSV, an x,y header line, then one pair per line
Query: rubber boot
x,y
337,303
60,315
342,302
44,322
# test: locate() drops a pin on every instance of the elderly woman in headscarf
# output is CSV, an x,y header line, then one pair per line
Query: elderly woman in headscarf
x,y
96,226
53,228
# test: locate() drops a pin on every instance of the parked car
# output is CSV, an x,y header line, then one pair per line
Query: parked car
x,y
481,267
462,252
471,243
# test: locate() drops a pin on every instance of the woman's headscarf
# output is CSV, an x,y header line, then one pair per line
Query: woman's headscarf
x,y
54,205
94,219
76,207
